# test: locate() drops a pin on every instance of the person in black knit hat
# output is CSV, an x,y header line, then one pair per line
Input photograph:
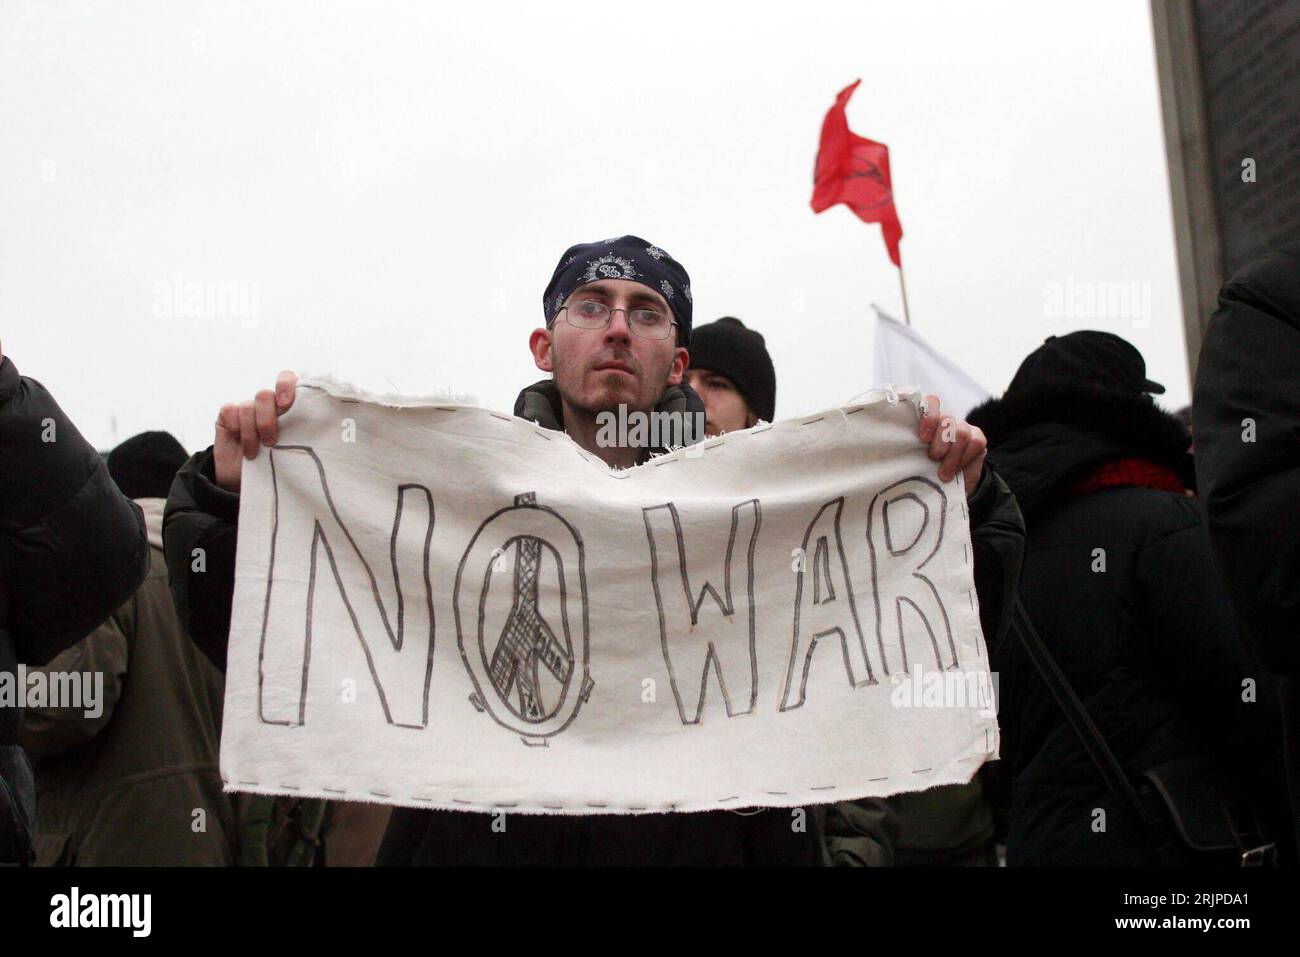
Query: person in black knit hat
x,y
733,374
1119,580
144,465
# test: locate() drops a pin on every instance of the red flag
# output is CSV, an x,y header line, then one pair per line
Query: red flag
x,y
854,170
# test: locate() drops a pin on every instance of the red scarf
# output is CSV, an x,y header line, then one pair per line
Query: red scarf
x,y
1122,473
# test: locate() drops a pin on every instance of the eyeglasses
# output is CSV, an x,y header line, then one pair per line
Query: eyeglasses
x,y
646,323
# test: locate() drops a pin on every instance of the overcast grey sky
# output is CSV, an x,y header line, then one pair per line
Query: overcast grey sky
x,y
391,185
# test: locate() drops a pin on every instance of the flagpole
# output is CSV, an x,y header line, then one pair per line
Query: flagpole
x,y
907,316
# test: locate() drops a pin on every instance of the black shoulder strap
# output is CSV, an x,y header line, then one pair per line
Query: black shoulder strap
x,y
1117,781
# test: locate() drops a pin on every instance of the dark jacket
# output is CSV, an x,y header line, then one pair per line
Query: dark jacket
x,y
201,515
1121,586
1249,379
72,548
151,752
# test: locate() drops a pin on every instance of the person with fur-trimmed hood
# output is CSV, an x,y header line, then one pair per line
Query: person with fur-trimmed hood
x,y
1119,581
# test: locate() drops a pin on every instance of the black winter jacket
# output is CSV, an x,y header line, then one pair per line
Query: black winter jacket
x,y
201,515
1122,588
72,549
1246,418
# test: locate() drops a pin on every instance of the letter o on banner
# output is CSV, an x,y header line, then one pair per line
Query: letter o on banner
x,y
507,663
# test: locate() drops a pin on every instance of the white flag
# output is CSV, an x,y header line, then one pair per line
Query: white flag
x,y
904,358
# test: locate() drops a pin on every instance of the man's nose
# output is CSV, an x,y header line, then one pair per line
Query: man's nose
x,y
708,405
618,327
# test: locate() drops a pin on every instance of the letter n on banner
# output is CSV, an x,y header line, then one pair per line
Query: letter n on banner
x,y
309,533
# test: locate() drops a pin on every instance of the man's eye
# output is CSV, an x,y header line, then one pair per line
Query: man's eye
x,y
647,317
590,309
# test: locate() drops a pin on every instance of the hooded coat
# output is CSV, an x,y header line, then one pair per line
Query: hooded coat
x,y
1121,586
131,782
1246,417
72,548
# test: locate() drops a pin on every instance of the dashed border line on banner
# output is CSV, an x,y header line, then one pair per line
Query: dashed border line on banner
x,y
602,806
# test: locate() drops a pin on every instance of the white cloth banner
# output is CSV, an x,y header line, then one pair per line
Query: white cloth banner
x,y
441,606
902,355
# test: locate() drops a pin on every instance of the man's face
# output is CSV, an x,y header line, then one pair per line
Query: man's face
x,y
725,409
596,370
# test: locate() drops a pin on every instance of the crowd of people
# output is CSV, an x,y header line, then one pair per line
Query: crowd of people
x,y
1138,583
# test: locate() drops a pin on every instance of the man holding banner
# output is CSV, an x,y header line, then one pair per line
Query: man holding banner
x,y
618,317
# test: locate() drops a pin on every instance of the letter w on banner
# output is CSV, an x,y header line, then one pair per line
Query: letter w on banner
x,y
442,606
